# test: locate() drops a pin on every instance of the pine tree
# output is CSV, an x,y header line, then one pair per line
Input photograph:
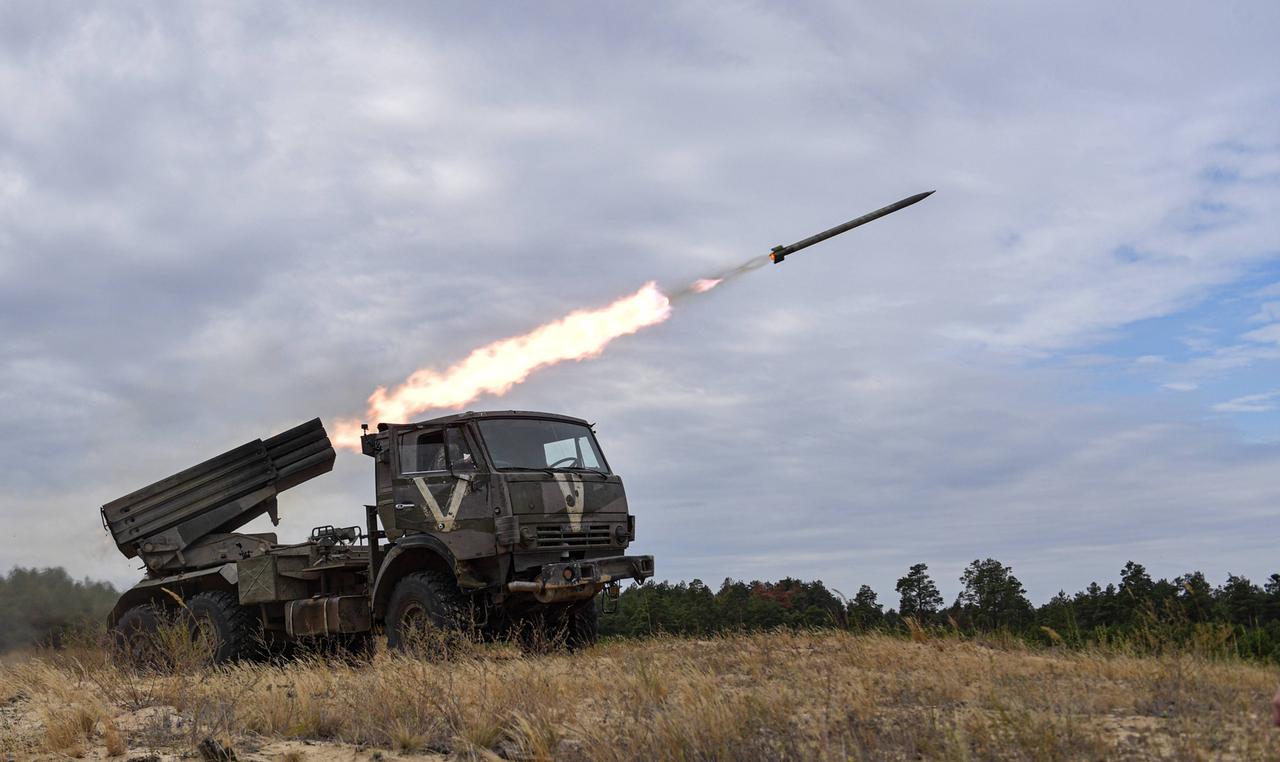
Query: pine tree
x,y
992,597
919,597
865,611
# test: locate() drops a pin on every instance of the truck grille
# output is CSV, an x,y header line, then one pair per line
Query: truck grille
x,y
557,536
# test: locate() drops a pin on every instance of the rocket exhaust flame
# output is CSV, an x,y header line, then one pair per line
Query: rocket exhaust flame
x,y
495,368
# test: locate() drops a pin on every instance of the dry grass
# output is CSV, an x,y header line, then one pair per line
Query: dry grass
x,y
112,741
768,696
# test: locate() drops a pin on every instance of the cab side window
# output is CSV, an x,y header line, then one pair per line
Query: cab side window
x,y
460,457
435,450
422,451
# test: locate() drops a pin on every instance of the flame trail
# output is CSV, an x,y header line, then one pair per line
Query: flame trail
x,y
495,368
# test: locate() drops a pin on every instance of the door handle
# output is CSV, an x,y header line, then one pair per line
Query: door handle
x,y
405,506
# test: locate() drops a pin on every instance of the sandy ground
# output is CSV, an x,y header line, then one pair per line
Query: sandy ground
x,y
767,696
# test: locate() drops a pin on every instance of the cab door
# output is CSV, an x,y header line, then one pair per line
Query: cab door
x,y
441,489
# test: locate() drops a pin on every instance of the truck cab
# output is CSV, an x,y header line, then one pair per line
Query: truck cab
x,y
519,506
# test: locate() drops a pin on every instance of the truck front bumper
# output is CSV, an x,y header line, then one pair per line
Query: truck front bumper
x,y
579,580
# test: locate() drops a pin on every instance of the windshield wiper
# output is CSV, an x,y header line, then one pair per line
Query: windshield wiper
x,y
584,468
553,471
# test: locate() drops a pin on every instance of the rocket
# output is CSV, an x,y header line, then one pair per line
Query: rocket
x,y
780,253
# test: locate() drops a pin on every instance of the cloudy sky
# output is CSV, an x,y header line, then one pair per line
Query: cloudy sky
x,y
217,221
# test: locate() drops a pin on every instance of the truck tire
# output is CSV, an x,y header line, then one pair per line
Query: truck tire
x,y
583,627
427,609
537,632
559,628
233,630
135,635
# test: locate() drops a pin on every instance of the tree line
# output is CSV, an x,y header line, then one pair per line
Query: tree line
x,y
43,606
1237,615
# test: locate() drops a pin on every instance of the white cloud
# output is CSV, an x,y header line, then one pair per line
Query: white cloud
x,y
1267,312
1214,361
1266,335
1181,386
1250,403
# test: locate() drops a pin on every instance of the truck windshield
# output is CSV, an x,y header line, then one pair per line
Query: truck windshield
x,y
533,443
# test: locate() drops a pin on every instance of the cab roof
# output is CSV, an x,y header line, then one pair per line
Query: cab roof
x,y
474,415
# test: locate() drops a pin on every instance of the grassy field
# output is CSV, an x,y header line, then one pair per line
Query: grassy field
x,y
824,695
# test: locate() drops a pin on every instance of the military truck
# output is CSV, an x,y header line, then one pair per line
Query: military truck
x,y
493,523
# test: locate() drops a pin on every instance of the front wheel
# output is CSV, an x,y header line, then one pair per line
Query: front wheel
x,y
554,628
427,609
583,627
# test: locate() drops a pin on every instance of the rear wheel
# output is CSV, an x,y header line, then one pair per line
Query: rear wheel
x,y
135,635
427,610
230,631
